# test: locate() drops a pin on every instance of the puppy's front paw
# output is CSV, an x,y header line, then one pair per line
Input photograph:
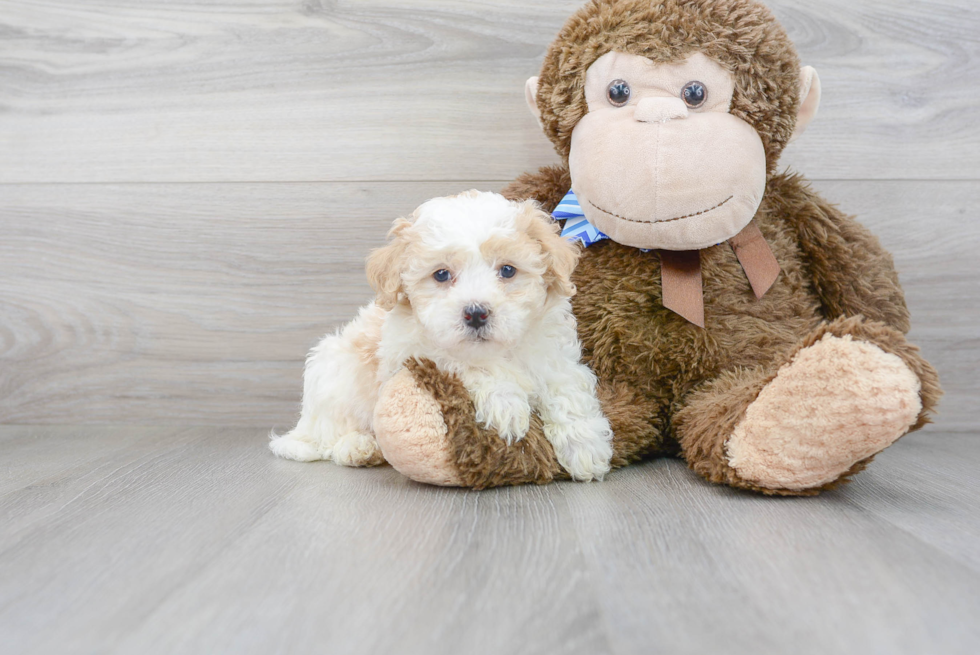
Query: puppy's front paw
x,y
505,410
583,448
357,449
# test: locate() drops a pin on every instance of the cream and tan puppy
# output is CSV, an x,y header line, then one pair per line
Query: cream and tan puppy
x,y
479,285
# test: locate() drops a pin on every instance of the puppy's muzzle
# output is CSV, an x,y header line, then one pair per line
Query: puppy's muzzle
x,y
476,316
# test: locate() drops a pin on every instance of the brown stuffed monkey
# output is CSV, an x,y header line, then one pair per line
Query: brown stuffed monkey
x,y
733,317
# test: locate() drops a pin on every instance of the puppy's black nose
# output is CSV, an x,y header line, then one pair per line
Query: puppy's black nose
x,y
476,316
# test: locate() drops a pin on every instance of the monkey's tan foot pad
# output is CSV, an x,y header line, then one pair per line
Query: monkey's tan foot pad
x,y
412,434
836,403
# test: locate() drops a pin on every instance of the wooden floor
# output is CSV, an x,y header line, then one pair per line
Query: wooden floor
x,y
197,540
187,194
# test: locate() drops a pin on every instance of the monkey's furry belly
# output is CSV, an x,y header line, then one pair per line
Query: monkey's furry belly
x,y
628,336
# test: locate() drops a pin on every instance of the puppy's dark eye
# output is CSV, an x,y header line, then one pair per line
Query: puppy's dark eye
x,y
618,93
694,94
507,271
442,275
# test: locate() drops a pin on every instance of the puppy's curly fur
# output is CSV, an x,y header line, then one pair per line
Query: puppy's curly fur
x,y
480,287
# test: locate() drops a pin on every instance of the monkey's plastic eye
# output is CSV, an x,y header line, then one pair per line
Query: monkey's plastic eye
x,y
694,94
507,271
442,275
618,93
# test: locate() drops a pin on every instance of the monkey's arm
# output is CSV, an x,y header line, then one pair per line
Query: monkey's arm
x,y
548,186
852,273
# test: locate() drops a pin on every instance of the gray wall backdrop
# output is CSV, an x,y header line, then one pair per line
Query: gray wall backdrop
x,y
188,189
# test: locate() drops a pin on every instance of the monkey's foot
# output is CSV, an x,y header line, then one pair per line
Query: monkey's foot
x,y
834,405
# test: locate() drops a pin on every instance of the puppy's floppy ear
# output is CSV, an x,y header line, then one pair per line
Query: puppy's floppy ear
x,y
561,255
384,265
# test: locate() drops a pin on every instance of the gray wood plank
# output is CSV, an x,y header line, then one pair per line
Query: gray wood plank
x,y
931,489
684,567
276,90
200,541
197,540
31,455
195,304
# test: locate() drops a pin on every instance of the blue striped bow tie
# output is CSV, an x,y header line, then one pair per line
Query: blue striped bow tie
x,y
577,226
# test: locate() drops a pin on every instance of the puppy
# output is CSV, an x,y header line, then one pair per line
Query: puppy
x,y
480,286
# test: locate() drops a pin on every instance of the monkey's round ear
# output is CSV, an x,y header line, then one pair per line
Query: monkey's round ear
x,y
531,96
809,100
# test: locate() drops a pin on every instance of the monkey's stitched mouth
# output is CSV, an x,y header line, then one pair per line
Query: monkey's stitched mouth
x,y
669,220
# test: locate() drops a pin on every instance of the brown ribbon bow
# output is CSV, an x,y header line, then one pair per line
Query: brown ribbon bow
x,y
680,272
